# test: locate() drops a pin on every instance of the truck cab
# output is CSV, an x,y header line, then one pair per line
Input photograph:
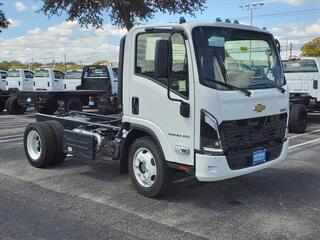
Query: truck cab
x,y
20,79
3,76
72,79
224,122
205,98
48,79
303,77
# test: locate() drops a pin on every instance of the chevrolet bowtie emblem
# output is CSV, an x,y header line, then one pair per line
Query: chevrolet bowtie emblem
x,y
259,108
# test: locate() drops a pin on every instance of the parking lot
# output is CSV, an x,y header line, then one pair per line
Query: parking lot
x,y
90,200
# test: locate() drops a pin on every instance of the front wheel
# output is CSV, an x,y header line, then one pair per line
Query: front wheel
x,y
148,170
13,107
74,104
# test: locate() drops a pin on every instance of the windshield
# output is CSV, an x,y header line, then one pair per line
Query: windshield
x,y
303,65
244,59
73,75
13,73
41,73
115,72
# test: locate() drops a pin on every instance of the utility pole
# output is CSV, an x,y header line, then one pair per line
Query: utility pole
x,y
65,62
290,50
286,48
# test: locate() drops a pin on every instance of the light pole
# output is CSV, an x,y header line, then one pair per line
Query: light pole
x,y
251,6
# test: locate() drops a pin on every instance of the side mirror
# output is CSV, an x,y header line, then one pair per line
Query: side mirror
x,y
163,68
163,59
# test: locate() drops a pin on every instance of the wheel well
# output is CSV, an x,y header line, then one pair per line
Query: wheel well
x,y
132,136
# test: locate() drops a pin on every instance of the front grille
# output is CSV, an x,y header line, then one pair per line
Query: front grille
x,y
241,137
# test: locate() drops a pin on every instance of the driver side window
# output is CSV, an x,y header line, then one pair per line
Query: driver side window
x,y
145,57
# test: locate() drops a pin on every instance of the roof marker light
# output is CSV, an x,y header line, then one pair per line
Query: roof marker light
x,y
228,20
182,20
218,19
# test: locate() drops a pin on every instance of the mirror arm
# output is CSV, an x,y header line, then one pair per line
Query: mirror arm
x,y
184,107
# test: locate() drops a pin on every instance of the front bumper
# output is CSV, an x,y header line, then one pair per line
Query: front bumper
x,y
214,168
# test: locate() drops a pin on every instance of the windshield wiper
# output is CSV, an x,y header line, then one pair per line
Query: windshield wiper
x,y
229,86
282,90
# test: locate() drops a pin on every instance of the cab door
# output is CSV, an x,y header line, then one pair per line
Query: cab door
x,y
27,81
57,84
150,107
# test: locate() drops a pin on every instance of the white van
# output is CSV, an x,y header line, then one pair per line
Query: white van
x,y
303,76
48,79
20,79
3,76
72,79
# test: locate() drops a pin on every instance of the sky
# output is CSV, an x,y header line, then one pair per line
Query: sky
x,y
35,37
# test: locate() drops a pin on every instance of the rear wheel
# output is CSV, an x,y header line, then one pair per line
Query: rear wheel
x,y
57,130
73,104
6,104
13,107
39,144
2,107
148,170
298,118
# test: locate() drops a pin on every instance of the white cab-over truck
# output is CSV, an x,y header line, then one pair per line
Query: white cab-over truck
x,y
20,79
303,77
182,108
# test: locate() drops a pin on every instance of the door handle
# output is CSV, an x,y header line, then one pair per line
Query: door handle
x,y
135,105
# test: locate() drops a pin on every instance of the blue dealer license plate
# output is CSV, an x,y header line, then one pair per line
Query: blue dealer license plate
x,y
259,156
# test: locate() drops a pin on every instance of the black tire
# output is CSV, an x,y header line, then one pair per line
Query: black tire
x,y
298,119
73,104
57,130
7,104
163,178
47,145
13,107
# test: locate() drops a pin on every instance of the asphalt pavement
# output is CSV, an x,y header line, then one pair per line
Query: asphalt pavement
x,y
90,200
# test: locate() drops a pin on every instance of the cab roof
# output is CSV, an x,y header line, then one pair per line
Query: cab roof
x,y
190,25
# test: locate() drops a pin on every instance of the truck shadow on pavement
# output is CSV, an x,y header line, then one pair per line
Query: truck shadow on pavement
x,y
280,187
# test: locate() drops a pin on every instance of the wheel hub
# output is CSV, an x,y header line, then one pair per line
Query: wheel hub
x,y
144,167
34,145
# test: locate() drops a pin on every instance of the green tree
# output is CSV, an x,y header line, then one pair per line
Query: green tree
x,y
4,66
123,13
4,23
312,48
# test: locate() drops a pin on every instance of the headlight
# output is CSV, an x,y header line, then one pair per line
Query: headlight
x,y
210,142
